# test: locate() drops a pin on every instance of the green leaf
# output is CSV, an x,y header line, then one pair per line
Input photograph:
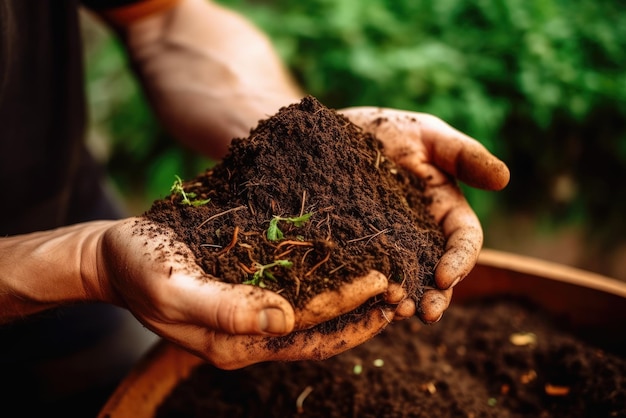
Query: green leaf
x,y
300,220
273,232
200,202
177,188
263,271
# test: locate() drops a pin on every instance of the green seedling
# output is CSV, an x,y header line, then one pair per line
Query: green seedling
x,y
187,197
274,233
263,271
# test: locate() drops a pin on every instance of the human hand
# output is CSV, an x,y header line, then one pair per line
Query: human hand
x,y
439,154
143,268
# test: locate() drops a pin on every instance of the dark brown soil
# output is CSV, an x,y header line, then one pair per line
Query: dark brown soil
x,y
492,358
365,212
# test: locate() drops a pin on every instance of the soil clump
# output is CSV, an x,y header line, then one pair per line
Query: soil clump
x,y
335,206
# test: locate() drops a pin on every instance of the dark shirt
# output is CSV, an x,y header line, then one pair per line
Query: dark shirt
x,y
47,177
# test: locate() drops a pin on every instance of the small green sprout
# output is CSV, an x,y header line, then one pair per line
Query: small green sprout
x,y
263,271
274,233
178,189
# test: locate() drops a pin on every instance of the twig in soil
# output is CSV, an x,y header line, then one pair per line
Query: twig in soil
x,y
303,200
315,267
298,282
246,268
284,253
336,269
305,254
371,236
248,249
300,400
211,245
232,242
327,220
294,242
251,208
217,215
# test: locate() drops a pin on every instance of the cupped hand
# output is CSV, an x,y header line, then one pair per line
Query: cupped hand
x,y
440,155
143,268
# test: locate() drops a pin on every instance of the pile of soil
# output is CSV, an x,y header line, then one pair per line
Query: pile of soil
x,y
490,358
352,209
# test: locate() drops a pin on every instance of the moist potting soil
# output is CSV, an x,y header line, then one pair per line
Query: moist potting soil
x,y
490,358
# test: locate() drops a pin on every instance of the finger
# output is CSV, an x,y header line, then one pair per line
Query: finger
x,y
231,352
395,293
464,239
404,306
463,232
462,156
433,304
414,139
404,310
348,297
233,309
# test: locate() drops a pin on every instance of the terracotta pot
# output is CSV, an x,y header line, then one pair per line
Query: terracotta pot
x,y
591,305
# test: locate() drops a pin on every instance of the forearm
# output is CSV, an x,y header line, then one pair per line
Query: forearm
x,y
42,270
209,73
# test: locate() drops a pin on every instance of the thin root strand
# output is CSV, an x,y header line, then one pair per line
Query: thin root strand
x,y
232,242
217,215
315,267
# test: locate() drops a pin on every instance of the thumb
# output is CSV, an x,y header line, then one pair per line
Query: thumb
x,y
229,308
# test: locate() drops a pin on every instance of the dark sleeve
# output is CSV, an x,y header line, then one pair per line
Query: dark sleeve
x,y
123,12
107,4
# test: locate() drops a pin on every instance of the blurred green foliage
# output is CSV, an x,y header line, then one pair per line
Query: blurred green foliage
x,y
141,157
541,83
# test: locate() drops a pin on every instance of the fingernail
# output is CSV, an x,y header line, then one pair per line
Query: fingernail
x,y
433,321
272,321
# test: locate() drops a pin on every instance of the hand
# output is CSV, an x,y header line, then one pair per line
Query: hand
x,y
143,268
439,154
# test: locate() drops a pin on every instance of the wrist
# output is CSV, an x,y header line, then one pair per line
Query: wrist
x,y
45,269
209,74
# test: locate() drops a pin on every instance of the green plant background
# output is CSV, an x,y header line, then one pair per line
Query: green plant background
x,y
541,83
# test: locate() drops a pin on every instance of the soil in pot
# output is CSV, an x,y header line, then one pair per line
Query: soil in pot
x,y
303,204
489,358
